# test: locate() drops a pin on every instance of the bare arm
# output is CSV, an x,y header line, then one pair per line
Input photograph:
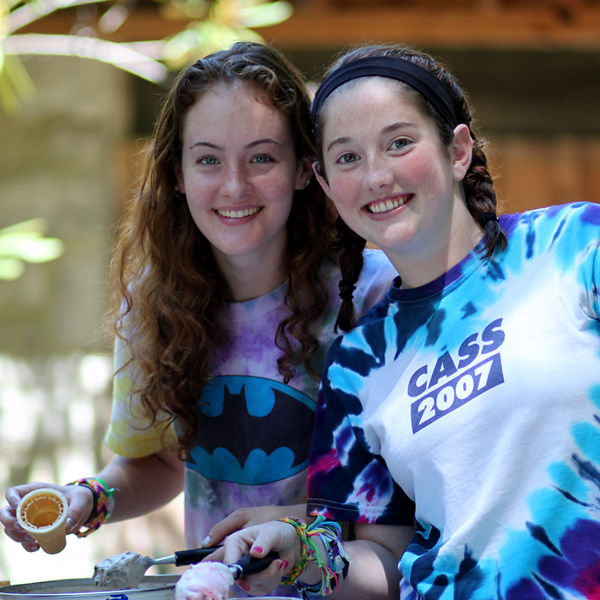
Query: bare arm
x,y
143,484
247,517
136,479
374,556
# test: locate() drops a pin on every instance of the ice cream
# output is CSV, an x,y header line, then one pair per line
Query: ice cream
x,y
121,572
204,581
43,515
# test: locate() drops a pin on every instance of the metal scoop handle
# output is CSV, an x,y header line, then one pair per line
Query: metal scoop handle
x,y
248,565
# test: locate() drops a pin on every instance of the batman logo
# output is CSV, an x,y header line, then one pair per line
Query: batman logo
x,y
253,431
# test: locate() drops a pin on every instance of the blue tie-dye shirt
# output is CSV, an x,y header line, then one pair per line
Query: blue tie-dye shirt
x,y
471,407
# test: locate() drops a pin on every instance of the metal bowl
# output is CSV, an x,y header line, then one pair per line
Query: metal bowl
x,y
153,587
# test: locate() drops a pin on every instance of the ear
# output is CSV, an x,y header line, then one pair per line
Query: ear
x,y
462,151
180,187
321,178
303,173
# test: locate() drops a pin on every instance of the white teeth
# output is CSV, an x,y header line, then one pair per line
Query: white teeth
x,y
385,205
238,214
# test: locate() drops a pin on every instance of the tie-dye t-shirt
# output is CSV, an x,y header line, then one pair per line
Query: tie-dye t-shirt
x,y
254,440
472,405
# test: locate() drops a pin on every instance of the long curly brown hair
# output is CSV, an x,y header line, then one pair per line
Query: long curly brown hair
x,y
167,287
477,185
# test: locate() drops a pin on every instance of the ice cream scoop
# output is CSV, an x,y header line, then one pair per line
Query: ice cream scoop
x,y
43,515
126,571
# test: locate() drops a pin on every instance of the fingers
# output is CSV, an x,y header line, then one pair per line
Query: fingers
x,y
81,504
79,498
247,517
259,541
218,556
235,521
14,531
263,583
8,516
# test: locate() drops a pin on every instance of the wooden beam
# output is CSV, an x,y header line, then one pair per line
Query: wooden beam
x,y
527,27
514,27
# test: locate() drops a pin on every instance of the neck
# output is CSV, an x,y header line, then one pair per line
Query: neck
x,y
248,279
422,266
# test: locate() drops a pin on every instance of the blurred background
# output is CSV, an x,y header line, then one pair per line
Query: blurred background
x,y
80,86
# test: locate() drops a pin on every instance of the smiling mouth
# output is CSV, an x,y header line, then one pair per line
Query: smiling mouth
x,y
238,214
381,206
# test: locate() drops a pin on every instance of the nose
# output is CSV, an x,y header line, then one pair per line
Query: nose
x,y
236,182
378,174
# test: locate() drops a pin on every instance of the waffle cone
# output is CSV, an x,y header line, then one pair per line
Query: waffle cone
x,y
43,515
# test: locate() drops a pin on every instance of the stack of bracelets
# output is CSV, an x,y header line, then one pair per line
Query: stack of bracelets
x,y
103,503
332,573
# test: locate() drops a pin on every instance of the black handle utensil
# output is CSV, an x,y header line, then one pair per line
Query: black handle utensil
x,y
248,565
182,558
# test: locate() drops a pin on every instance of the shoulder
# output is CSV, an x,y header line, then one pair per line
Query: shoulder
x,y
377,271
376,262
375,280
361,348
577,214
566,226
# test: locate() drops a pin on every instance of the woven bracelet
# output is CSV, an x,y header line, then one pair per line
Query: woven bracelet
x,y
103,504
330,534
298,569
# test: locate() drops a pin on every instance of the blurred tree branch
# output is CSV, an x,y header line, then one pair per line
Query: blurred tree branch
x,y
211,25
25,242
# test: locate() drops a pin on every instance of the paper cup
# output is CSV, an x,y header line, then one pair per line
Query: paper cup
x,y
43,515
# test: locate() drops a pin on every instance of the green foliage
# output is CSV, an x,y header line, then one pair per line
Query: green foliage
x,y
25,242
211,25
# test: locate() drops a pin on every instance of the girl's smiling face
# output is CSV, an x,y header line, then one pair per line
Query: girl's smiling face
x,y
391,179
239,172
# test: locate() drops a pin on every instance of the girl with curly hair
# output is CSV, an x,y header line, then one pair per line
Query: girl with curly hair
x,y
226,294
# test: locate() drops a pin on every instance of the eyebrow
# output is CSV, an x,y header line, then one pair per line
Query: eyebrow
x,y
386,130
248,146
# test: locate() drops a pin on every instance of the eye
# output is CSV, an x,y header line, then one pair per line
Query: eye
x,y
262,159
347,158
208,161
400,144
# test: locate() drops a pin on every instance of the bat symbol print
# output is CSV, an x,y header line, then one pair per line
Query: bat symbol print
x,y
252,431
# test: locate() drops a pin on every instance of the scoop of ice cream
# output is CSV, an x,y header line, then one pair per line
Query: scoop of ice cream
x,y
121,572
204,581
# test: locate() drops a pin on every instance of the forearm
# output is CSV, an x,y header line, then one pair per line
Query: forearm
x,y
142,484
373,573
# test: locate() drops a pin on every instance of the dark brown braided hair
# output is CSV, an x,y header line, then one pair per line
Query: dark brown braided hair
x,y
477,184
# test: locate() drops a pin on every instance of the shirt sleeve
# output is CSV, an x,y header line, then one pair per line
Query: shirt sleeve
x,y
346,481
591,262
375,280
130,432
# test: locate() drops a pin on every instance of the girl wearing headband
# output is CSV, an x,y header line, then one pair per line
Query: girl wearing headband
x,y
226,296
458,423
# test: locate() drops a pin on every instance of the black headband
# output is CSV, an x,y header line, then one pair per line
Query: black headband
x,y
393,67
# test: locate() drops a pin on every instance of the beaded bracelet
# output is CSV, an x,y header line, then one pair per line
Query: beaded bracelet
x,y
103,503
330,534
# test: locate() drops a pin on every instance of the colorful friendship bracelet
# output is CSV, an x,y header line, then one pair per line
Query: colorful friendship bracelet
x,y
103,503
330,534
300,527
